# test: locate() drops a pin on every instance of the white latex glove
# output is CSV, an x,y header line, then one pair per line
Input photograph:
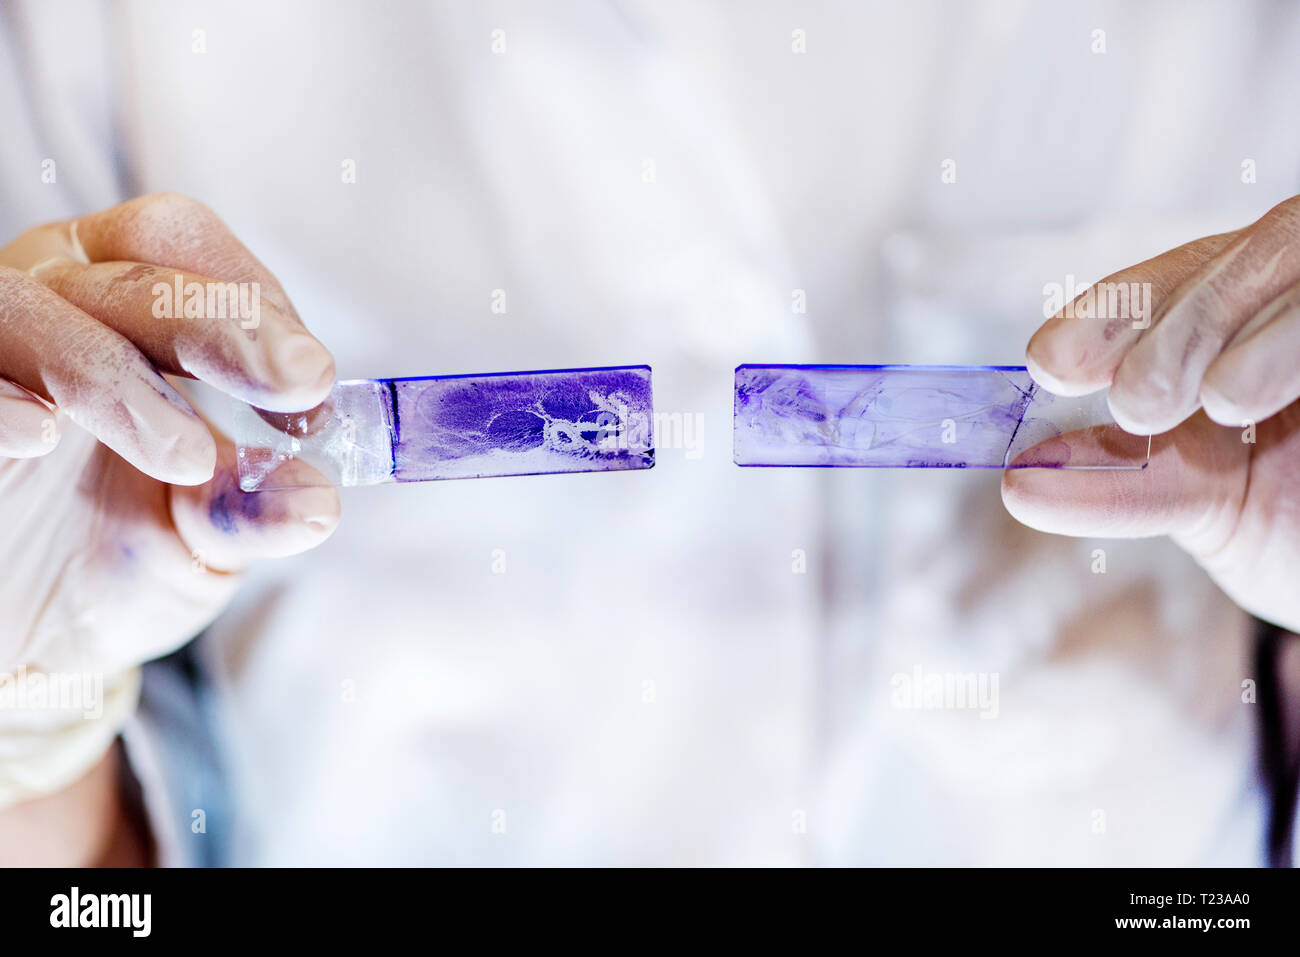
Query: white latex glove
x,y
1215,379
122,535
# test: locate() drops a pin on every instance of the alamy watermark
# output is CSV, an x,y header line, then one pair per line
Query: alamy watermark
x,y
1101,300
208,300
24,690
920,690
623,429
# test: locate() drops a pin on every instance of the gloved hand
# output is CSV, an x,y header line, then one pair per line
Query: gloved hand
x,y
1215,379
122,527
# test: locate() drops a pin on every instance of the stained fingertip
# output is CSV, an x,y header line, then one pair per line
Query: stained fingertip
x,y
232,528
1054,453
306,499
1073,502
1042,491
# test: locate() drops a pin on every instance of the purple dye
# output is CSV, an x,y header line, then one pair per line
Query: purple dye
x,y
373,431
576,420
906,417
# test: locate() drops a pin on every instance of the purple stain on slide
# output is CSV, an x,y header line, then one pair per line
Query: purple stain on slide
x,y
525,423
896,417
517,431
373,431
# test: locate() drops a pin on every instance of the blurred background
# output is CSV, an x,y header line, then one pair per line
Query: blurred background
x,y
697,664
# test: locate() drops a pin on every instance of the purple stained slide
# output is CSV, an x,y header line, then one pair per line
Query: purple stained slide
x,y
373,431
901,416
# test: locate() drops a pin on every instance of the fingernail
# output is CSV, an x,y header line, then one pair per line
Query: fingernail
x,y
1222,409
192,460
27,427
303,370
1060,363
1118,412
1044,378
168,440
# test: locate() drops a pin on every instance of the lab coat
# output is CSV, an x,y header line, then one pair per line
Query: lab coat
x,y
699,664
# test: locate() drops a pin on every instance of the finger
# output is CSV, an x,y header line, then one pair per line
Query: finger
x,y
100,381
53,241
227,529
1192,488
1076,352
1258,375
28,427
1158,384
167,229
194,325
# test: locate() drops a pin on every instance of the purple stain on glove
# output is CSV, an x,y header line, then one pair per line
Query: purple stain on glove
x,y
228,507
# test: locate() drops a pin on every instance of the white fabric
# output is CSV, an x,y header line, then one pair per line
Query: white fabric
x,y
55,728
389,698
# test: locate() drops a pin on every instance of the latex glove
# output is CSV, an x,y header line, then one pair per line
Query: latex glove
x,y
122,528
1215,379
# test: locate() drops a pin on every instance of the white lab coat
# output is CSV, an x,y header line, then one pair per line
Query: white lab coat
x,y
652,678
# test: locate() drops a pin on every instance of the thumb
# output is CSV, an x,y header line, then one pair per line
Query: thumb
x,y
231,528
1192,488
